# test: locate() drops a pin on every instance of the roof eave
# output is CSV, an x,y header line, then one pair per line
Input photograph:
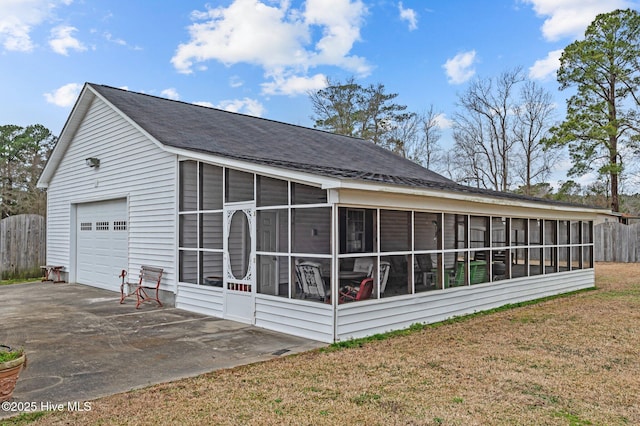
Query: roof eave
x,y
86,97
263,169
465,197
69,129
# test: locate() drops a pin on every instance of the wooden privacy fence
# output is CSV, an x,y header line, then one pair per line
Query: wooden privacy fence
x,y
615,242
22,246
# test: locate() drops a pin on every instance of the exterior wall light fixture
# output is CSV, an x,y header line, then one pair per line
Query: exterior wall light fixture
x,y
92,162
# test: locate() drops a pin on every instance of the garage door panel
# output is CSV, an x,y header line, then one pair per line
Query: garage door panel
x,y
102,243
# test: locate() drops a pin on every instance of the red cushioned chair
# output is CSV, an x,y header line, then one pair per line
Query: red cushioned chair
x,y
361,292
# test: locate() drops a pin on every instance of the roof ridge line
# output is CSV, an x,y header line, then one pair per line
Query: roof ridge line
x,y
231,112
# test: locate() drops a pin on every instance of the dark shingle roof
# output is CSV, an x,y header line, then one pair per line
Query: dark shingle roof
x,y
227,134
261,141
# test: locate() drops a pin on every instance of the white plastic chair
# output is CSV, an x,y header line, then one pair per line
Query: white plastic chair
x,y
384,275
311,281
363,264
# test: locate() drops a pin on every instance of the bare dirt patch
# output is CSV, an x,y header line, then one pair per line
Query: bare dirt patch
x,y
570,360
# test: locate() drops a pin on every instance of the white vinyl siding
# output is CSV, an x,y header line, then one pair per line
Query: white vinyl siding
x,y
131,167
296,317
200,299
379,316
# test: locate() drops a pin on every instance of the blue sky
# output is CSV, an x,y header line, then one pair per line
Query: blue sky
x,y
261,57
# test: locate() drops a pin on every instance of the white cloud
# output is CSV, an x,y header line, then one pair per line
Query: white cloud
x,y
170,93
566,19
246,106
408,15
119,41
276,37
246,31
569,18
19,17
204,104
460,68
65,96
340,22
294,85
443,122
544,68
235,81
109,37
62,40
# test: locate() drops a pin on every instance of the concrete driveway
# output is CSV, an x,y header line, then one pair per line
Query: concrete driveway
x,y
82,344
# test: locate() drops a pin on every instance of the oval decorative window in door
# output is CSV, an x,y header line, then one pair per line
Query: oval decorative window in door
x,y
239,245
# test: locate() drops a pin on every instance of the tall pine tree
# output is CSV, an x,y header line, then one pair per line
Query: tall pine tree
x,y
601,125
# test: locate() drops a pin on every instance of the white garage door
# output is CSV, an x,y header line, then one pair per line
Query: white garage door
x,y
102,237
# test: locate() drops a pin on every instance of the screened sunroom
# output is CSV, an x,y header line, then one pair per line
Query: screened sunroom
x,y
293,256
292,229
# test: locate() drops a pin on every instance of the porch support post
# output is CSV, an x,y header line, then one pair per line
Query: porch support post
x,y
335,243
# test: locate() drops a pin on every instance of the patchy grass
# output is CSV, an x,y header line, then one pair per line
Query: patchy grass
x,y
23,419
19,281
571,360
22,276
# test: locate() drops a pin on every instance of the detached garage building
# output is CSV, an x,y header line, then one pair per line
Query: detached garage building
x,y
268,223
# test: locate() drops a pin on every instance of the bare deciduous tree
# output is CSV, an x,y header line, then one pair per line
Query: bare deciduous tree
x,y
498,132
426,150
533,119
